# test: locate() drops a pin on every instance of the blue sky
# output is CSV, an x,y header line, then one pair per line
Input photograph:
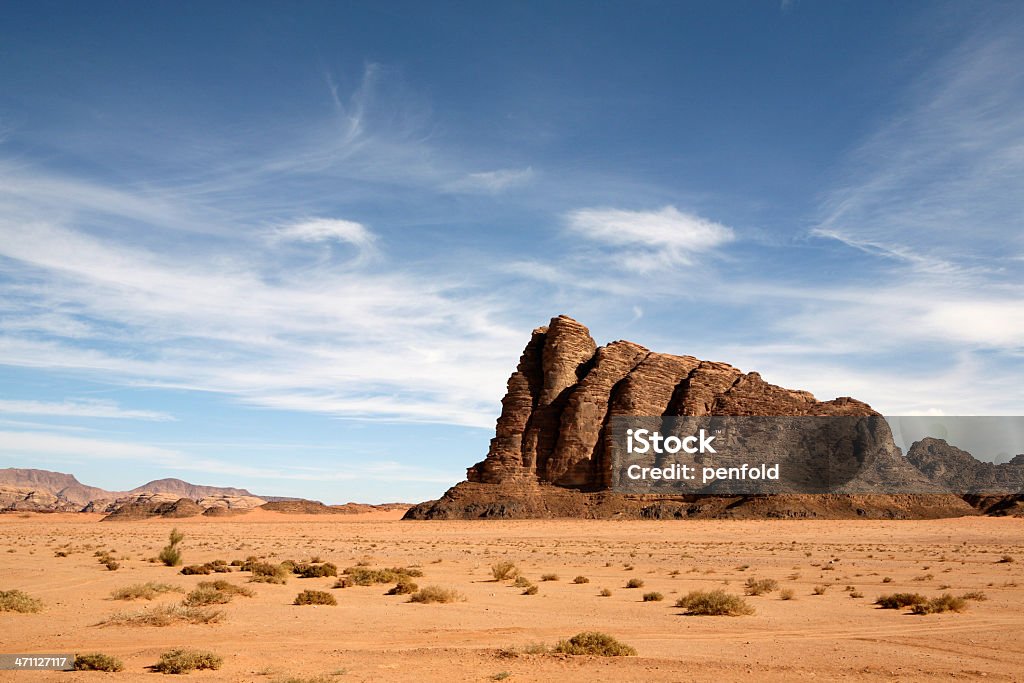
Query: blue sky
x,y
299,248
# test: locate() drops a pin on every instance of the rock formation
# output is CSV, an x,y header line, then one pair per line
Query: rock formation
x,y
548,457
962,472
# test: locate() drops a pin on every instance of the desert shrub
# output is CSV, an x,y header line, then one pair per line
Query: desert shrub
x,y
887,579
856,594
364,576
226,587
170,554
581,579
206,595
786,594
308,597
605,593
900,600
111,564
549,577
653,596
1005,559
184,661
403,587
265,572
819,589
594,643
503,571
431,594
197,569
760,586
635,583
943,603
522,582
530,590
19,601
714,603
977,596
315,571
144,591
97,662
164,615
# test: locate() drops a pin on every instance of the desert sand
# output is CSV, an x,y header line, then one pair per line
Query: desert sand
x,y
370,636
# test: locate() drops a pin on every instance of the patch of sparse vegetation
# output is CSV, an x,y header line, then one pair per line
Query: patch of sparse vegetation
x,y
19,601
315,571
403,587
165,615
943,603
581,579
364,576
605,593
714,603
653,596
430,594
819,589
787,594
308,597
976,596
521,582
760,586
183,661
594,643
170,555
530,590
504,571
267,572
144,591
197,569
96,661
900,600
549,577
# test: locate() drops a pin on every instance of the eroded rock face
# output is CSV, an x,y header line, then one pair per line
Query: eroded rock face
x,y
547,457
960,471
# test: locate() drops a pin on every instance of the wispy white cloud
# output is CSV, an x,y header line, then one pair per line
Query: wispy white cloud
x,y
81,408
649,240
492,182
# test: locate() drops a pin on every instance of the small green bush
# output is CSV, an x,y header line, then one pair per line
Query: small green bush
x,y
714,603
594,643
19,601
431,594
97,662
170,555
309,597
184,661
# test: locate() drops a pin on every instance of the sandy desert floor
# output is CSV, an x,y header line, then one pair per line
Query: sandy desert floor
x,y
370,636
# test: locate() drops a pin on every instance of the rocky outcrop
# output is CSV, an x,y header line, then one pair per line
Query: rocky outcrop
x,y
25,499
960,471
549,455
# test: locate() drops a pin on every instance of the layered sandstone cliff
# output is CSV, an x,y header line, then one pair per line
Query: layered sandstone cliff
x,y
549,456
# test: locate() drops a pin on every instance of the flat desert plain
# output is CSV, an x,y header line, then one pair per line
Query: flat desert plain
x,y
830,628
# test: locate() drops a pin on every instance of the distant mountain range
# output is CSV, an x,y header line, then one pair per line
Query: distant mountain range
x,y
34,490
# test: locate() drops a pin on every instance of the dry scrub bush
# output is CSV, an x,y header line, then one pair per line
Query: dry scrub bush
x,y
309,597
504,571
714,603
431,594
900,600
19,601
403,587
635,583
760,586
977,596
549,577
315,571
197,569
943,603
97,662
265,572
605,593
184,661
819,589
594,643
581,579
530,590
364,576
522,582
164,615
786,594
653,596
144,591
